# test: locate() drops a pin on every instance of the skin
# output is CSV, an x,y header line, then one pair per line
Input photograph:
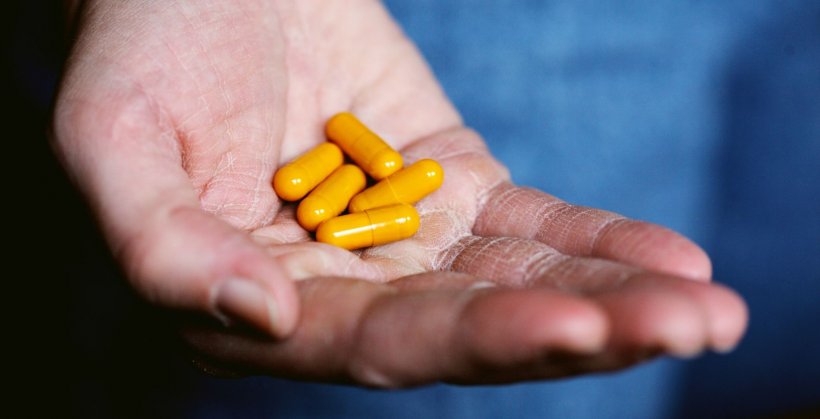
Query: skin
x,y
172,118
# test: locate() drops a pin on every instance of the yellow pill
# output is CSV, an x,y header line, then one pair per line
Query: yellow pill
x,y
295,179
370,228
364,147
331,197
407,186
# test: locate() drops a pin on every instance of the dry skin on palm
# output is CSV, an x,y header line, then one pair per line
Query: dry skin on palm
x,y
370,228
407,186
394,220
295,179
364,147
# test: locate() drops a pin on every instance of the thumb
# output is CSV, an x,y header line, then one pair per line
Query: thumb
x,y
175,254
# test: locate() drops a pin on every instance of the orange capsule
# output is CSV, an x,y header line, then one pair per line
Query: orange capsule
x,y
295,179
370,228
331,197
364,147
406,186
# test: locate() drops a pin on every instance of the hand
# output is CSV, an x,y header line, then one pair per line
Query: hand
x,y
173,117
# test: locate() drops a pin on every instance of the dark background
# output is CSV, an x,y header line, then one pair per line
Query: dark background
x,y
78,343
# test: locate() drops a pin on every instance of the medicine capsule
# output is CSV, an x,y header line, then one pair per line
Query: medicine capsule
x,y
364,147
295,179
370,228
331,197
406,186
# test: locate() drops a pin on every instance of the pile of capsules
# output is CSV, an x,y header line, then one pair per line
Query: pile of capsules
x,y
380,214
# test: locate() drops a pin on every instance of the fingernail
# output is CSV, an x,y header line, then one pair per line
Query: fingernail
x,y
686,353
304,264
724,348
243,301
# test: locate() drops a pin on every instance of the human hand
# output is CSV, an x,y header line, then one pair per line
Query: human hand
x,y
173,117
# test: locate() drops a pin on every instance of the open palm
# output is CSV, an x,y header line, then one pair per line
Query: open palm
x,y
173,117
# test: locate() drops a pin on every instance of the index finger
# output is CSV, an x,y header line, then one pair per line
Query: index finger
x,y
575,230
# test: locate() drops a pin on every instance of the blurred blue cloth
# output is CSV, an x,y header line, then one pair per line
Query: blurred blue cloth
x,y
700,115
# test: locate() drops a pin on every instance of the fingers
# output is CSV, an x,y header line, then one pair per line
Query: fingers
x,y
476,187
174,253
682,317
581,231
377,335
459,328
645,309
